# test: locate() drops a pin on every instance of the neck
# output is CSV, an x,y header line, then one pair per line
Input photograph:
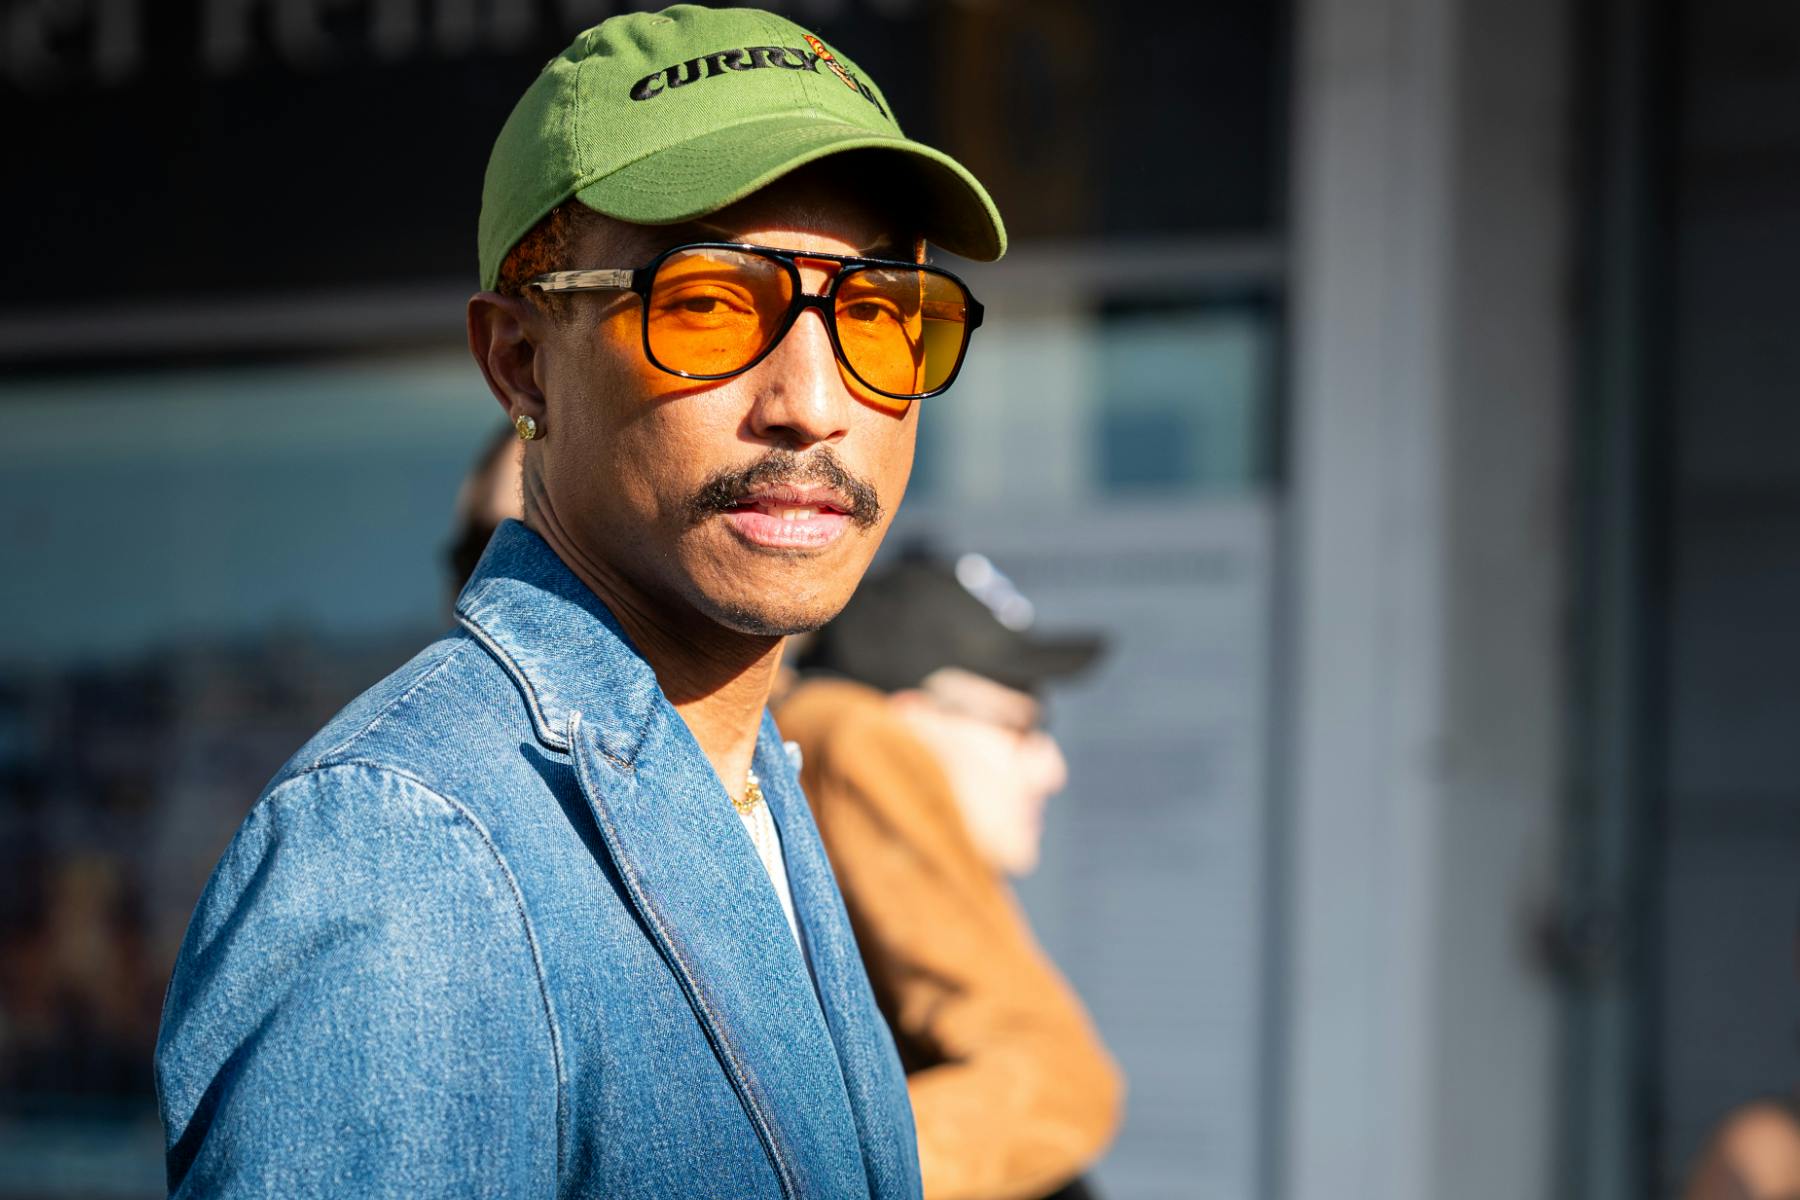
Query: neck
x,y
717,678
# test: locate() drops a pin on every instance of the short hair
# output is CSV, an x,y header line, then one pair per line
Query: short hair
x,y
546,247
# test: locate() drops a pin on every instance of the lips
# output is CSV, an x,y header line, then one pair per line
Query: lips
x,y
790,518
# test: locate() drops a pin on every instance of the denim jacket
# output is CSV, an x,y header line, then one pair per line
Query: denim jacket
x,y
497,931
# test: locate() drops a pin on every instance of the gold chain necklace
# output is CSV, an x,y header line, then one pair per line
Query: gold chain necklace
x,y
752,795
760,823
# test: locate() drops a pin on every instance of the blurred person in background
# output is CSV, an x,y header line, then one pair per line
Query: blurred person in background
x,y
924,755
490,494
76,983
544,912
1754,1154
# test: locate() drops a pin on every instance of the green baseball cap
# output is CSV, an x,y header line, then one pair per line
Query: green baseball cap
x,y
656,118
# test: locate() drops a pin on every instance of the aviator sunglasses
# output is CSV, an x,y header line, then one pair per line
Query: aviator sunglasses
x,y
715,309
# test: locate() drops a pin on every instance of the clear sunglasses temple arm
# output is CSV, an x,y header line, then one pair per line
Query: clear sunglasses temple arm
x,y
582,281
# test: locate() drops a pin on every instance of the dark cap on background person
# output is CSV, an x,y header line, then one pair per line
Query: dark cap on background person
x,y
924,613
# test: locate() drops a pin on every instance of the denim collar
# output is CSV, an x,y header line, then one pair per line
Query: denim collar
x,y
563,647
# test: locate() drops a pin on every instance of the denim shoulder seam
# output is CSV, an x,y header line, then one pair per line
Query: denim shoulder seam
x,y
462,813
325,757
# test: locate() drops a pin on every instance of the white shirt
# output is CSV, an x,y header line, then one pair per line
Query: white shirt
x,y
760,825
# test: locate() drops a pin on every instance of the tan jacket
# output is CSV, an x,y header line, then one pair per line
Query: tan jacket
x,y
1013,1092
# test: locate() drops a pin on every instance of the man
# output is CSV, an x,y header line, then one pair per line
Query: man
x,y
500,928
928,767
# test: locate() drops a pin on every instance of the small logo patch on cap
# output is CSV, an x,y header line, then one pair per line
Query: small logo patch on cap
x,y
830,60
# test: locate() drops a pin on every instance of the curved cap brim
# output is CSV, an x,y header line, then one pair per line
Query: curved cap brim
x,y
1036,661
705,174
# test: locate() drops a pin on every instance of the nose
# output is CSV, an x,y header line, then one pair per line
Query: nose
x,y
1050,768
801,396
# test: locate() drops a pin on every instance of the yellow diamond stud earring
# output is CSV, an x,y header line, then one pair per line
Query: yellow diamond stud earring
x,y
526,426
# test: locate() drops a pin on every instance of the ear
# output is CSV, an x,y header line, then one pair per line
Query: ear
x,y
503,334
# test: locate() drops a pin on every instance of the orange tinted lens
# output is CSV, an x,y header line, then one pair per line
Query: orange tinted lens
x,y
713,311
902,330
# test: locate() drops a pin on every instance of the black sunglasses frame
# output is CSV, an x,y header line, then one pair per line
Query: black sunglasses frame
x,y
640,281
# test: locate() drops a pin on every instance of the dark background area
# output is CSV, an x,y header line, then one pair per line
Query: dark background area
x,y
190,149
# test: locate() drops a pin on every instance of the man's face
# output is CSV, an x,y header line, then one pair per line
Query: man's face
x,y
755,501
1002,765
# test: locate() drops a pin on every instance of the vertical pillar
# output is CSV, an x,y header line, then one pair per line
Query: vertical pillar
x,y
1430,395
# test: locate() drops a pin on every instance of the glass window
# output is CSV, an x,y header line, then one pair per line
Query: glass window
x,y
1183,396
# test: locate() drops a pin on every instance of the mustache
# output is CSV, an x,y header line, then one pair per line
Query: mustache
x,y
726,489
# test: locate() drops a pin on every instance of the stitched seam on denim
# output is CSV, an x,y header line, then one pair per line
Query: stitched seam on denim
x,y
386,710
539,721
623,764
457,809
733,1061
643,731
